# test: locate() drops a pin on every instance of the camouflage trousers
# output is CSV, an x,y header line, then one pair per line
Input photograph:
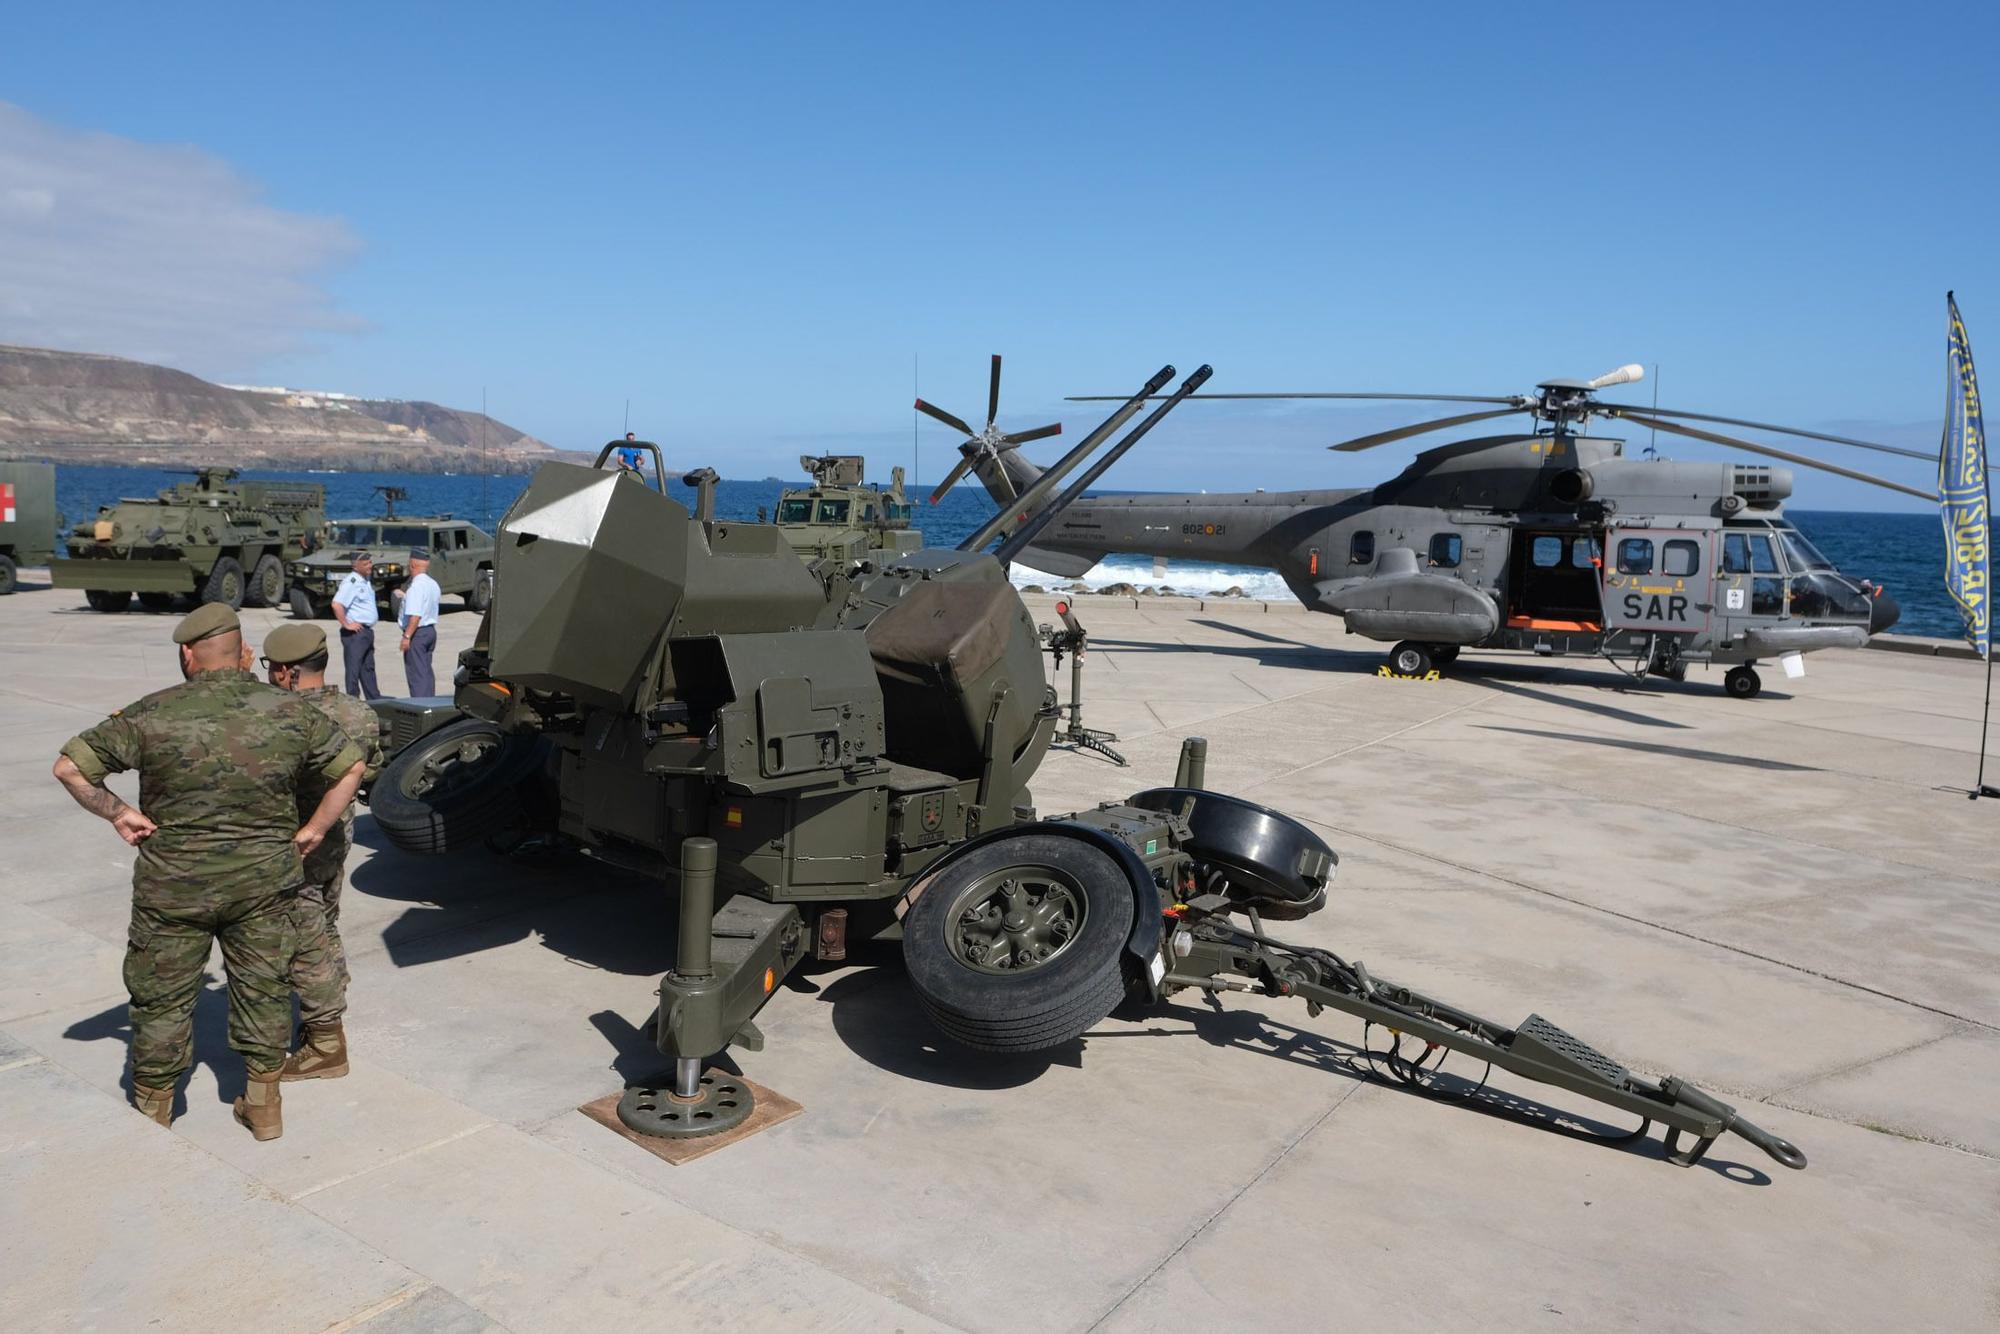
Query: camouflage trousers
x,y
166,954
319,964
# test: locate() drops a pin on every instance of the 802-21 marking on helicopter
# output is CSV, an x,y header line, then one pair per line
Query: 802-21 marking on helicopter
x,y
1204,529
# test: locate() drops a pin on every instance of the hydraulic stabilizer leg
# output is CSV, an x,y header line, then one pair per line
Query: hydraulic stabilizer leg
x,y
1214,953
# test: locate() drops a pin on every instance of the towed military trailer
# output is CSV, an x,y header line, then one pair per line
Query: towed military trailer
x,y
28,519
819,756
461,560
216,539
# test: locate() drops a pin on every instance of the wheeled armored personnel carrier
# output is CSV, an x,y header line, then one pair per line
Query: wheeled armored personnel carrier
x,y
840,518
216,539
28,520
818,756
461,558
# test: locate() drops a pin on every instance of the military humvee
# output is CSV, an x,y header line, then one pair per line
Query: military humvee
x,y
839,518
215,538
461,559
28,519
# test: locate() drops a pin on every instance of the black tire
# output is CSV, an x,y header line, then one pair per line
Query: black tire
x,y
267,584
427,801
1042,1005
1742,682
481,596
1272,862
301,605
225,583
9,576
157,601
1410,658
1442,654
101,600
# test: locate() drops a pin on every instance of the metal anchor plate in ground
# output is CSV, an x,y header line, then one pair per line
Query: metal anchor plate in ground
x,y
723,1103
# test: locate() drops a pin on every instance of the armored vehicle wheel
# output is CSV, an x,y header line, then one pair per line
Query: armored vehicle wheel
x,y
102,600
8,575
1410,658
1015,946
225,582
451,788
1742,682
1271,862
156,601
481,596
1444,653
267,583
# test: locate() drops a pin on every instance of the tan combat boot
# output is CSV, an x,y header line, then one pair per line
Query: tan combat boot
x,y
156,1103
322,1053
260,1108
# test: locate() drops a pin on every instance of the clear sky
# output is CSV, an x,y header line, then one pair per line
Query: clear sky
x,y
749,219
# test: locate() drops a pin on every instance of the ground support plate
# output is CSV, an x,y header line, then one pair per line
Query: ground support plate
x,y
767,1108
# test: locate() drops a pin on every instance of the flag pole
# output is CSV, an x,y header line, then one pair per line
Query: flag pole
x,y
1963,453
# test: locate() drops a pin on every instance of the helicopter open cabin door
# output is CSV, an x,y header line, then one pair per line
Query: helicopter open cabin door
x,y
1658,579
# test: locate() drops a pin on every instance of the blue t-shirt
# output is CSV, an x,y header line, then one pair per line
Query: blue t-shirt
x,y
629,457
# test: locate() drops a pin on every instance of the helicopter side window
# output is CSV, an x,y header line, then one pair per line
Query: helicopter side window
x,y
1547,552
1361,548
1748,553
1635,556
1446,548
1679,559
1585,554
833,511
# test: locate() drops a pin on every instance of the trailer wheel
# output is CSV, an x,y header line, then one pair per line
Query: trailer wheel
x,y
8,575
225,583
106,601
451,788
267,583
1015,947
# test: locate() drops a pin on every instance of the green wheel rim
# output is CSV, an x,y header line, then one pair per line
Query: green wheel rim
x,y
1015,920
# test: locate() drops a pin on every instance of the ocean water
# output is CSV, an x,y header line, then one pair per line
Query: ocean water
x,y
1903,551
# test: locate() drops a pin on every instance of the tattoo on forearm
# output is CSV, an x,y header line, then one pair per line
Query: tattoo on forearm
x,y
99,800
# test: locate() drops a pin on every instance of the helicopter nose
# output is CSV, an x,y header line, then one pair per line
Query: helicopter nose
x,y
1882,612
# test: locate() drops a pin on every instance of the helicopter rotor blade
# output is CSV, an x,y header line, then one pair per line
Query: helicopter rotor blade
x,y
1361,442
1615,410
993,394
959,469
1039,433
1420,398
1789,457
939,414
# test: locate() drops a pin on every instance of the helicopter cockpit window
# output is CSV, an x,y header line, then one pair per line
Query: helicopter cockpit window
x,y
1361,548
1748,553
1801,554
795,511
1446,549
1547,552
833,511
1635,556
1680,558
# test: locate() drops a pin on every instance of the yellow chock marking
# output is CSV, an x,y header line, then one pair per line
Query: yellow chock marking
x,y
1392,674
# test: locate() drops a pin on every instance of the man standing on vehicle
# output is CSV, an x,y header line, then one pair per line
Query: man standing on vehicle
x,y
295,656
354,608
222,759
628,453
420,618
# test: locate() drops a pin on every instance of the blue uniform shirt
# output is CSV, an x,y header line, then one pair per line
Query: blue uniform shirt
x,y
420,599
356,597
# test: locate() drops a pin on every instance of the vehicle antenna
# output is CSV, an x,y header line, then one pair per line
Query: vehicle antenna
x,y
916,391
485,462
627,427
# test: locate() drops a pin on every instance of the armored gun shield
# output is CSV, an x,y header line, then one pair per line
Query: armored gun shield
x,y
591,568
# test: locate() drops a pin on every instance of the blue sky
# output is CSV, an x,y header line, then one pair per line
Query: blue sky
x,y
748,220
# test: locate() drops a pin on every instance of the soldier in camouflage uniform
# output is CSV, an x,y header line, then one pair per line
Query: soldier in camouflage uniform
x,y
221,758
296,657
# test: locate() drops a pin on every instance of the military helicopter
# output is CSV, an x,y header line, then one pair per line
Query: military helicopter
x,y
1551,541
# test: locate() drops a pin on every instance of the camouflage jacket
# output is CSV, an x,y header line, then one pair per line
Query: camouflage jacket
x,y
222,758
358,722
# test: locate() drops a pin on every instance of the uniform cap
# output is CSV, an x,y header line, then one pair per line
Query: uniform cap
x,y
207,621
294,642
420,553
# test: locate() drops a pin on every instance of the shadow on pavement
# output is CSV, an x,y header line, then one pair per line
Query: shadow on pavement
x,y
878,1017
211,1041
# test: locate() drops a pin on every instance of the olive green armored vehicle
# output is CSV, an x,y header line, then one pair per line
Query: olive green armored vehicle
x,y
461,558
28,519
817,757
216,539
839,518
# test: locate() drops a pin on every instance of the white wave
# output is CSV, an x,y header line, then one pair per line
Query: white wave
x,y
1188,578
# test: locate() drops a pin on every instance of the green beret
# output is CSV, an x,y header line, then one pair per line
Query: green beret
x,y
207,621
294,642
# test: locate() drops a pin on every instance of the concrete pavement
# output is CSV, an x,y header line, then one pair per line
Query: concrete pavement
x,y
1772,898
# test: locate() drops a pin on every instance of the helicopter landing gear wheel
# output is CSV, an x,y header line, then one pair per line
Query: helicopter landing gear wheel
x,y
1742,682
1410,658
1443,654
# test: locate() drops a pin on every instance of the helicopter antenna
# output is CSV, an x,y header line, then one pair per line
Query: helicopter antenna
x,y
1653,432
